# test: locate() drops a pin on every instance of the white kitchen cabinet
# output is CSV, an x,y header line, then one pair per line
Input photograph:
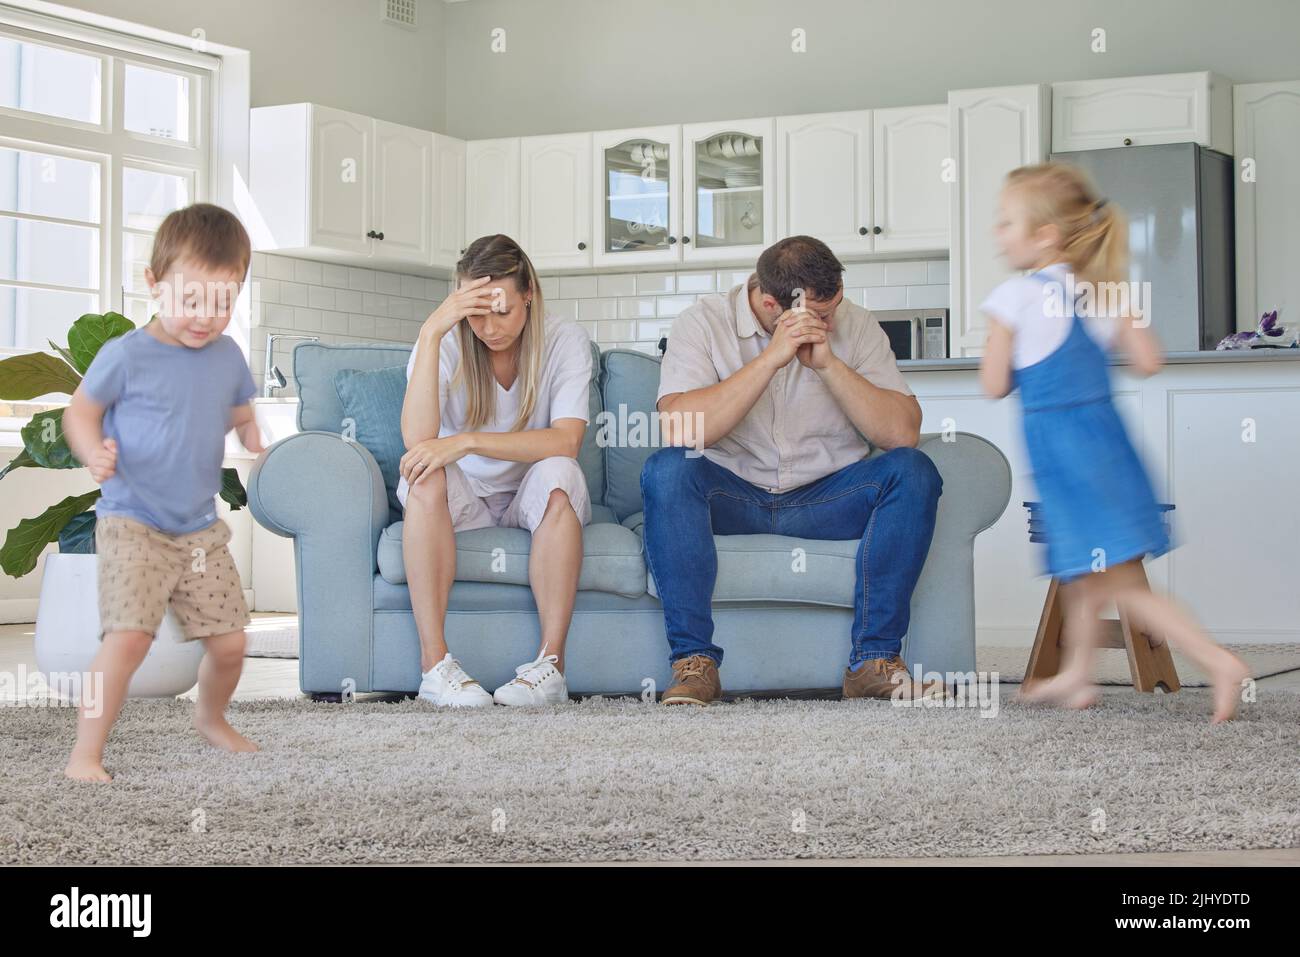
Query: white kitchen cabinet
x,y
910,181
334,185
403,193
1267,139
555,222
824,182
491,188
1142,111
449,199
992,131
636,194
728,198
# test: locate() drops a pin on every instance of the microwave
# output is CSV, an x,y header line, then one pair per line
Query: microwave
x,y
915,333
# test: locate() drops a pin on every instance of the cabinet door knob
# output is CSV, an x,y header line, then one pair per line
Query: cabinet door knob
x,y
862,230
374,235
672,240
370,234
874,229
1128,141
686,239
582,245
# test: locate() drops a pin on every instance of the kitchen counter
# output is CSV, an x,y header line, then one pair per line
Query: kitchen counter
x,y
1172,358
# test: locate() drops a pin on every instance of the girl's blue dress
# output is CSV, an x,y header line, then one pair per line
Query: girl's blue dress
x,y
1094,492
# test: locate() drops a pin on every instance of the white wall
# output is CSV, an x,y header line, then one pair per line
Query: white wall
x,y
334,52
574,65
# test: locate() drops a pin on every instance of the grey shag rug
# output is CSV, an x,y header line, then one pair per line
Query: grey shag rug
x,y
616,779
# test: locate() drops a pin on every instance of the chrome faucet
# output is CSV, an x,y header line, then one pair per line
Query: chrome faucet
x,y
272,377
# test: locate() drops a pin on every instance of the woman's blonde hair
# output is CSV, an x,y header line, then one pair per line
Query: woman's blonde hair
x,y
501,258
1093,230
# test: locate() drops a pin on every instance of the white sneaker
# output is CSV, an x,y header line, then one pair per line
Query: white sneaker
x,y
447,685
535,683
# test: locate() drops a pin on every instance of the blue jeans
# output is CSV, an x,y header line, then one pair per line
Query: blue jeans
x,y
887,502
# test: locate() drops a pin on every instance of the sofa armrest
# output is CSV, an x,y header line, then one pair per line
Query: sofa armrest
x,y
328,495
976,489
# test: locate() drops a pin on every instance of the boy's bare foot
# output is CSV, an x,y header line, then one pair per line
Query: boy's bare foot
x,y
1063,690
221,735
86,769
1227,677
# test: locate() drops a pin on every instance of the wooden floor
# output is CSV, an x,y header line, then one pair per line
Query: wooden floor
x,y
278,678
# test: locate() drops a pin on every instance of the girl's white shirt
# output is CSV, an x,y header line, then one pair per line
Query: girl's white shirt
x,y
1031,309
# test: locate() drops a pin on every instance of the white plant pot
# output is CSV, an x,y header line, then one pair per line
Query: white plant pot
x,y
67,636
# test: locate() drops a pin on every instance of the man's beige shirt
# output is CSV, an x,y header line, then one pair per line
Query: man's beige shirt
x,y
796,432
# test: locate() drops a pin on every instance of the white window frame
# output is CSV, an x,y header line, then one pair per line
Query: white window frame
x,y
108,142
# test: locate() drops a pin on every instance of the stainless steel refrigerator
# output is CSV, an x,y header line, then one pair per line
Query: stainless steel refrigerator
x,y
1178,200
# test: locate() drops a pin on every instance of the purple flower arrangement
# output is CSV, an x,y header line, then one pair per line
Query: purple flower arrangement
x,y
1269,334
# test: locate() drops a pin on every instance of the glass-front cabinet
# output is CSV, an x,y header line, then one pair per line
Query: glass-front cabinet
x,y
638,208
729,205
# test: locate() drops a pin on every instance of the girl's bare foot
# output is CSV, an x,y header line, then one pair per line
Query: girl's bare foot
x,y
220,734
1063,690
86,769
1227,676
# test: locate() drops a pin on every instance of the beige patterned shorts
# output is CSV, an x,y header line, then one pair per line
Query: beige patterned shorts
x,y
143,570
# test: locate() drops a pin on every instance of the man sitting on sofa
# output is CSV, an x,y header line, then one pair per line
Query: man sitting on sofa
x,y
782,374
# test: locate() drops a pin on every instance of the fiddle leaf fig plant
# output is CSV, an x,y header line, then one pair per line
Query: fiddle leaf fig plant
x,y
71,521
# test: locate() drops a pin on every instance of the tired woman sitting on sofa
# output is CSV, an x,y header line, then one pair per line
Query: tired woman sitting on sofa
x,y
495,411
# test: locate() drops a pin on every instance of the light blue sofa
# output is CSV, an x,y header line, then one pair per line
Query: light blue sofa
x,y
780,630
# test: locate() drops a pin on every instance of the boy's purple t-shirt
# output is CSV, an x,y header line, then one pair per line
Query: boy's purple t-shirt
x,y
169,409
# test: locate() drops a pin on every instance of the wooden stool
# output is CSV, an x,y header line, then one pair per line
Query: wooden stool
x,y
1149,660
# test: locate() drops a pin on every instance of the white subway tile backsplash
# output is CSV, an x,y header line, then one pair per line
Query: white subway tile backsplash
x,y
886,297
696,282
336,276
591,330
672,305
293,293
277,317
388,329
362,279
266,290
389,283
728,278
361,327
614,330
277,267
641,307
905,274
373,304
655,283
349,300
550,286
593,309
437,289
412,287
307,319
562,308
927,297
623,284
652,331
400,308
937,271
320,297
257,267
864,274
577,287
856,295
307,272
334,323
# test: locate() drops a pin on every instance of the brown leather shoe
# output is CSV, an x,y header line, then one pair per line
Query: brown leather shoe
x,y
888,678
695,681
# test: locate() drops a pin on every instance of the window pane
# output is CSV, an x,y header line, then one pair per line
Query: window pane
x,y
47,185
157,103
49,253
29,317
140,311
48,80
148,196
136,250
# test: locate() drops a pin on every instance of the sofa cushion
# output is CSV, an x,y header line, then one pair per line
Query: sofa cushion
x,y
630,384
772,568
372,400
591,456
611,558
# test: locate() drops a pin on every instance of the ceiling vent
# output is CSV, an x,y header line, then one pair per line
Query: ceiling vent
x,y
400,12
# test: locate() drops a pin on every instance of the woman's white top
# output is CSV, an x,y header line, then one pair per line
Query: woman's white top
x,y
561,394
1039,314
